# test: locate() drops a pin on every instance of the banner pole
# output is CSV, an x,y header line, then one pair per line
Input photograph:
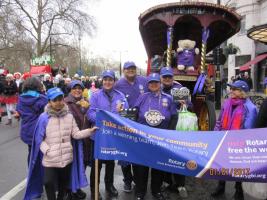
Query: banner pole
x,y
96,180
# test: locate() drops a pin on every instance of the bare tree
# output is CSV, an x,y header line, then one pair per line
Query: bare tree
x,y
60,19
16,48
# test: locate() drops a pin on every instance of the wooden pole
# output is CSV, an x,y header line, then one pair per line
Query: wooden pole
x,y
96,179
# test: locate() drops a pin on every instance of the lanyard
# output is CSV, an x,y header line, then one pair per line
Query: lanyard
x,y
149,102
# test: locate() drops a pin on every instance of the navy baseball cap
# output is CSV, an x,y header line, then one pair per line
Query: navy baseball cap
x,y
153,77
166,71
108,73
54,93
76,82
128,64
241,85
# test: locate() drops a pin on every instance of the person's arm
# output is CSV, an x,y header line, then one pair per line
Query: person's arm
x,y
261,121
44,147
77,134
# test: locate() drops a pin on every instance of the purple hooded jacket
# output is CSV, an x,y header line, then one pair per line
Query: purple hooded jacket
x,y
30,105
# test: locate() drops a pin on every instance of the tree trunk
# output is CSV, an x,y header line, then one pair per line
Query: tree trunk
x,y
39,30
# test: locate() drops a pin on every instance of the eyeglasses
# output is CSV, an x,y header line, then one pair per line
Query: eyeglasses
x,y
59,98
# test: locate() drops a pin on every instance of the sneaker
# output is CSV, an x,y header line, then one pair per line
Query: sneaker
x,y
127,187
79,195
182,192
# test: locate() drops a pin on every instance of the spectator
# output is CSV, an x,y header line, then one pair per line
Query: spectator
x,y
10,96
238,112
30,105
248,80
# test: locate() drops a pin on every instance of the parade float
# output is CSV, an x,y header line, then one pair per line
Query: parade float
x,y
180,35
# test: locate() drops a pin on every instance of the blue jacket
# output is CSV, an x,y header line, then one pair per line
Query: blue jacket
x,y
30,105
34,187
100,100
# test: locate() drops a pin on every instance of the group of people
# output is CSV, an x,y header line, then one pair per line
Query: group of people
x,y
58,129
11,88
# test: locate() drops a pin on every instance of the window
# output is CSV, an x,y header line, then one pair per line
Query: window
x,y
241,60
243,25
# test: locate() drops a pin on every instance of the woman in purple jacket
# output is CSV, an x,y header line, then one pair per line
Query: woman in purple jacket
x,y
30,105
238,112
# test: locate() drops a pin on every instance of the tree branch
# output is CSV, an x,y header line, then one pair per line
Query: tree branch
x,y
27,14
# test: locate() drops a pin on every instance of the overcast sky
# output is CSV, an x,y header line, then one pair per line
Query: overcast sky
x,y
118,29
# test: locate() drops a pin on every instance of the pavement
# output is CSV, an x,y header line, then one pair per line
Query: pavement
x,y
13,167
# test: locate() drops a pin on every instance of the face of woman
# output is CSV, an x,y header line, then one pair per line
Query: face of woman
x,y
57,103
108,83
154,86
77,91
235,93
8,79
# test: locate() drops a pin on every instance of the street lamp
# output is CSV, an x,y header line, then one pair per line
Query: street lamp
x,y
120,52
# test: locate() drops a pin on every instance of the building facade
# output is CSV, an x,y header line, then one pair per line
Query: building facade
x,y
254,13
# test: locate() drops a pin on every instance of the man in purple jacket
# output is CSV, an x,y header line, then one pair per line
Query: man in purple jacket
x,y
30,105
132,86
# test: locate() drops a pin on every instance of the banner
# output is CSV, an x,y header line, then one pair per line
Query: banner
x,y
239,155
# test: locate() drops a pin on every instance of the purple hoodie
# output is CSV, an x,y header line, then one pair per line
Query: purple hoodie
x,y
30,106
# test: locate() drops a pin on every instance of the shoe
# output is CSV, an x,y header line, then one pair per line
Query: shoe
x,y
9,122
182,192
67,196
79,195
239,195
127,187
112,191
158,196
218,191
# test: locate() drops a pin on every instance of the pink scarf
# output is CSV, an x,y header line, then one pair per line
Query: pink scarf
x,y
232,118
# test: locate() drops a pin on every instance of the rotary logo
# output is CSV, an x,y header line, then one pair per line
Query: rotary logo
x,y
154,117
191,165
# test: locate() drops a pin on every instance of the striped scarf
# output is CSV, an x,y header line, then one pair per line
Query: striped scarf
x,y
233,113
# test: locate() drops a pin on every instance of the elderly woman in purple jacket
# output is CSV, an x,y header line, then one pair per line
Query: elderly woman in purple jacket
x,y
113,101
30,105
238,112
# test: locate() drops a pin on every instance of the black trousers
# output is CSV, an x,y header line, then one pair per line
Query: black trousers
x,y
141,179
127,174
59,176
109,173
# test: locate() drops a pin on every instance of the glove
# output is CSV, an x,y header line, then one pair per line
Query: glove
x,y
83,103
